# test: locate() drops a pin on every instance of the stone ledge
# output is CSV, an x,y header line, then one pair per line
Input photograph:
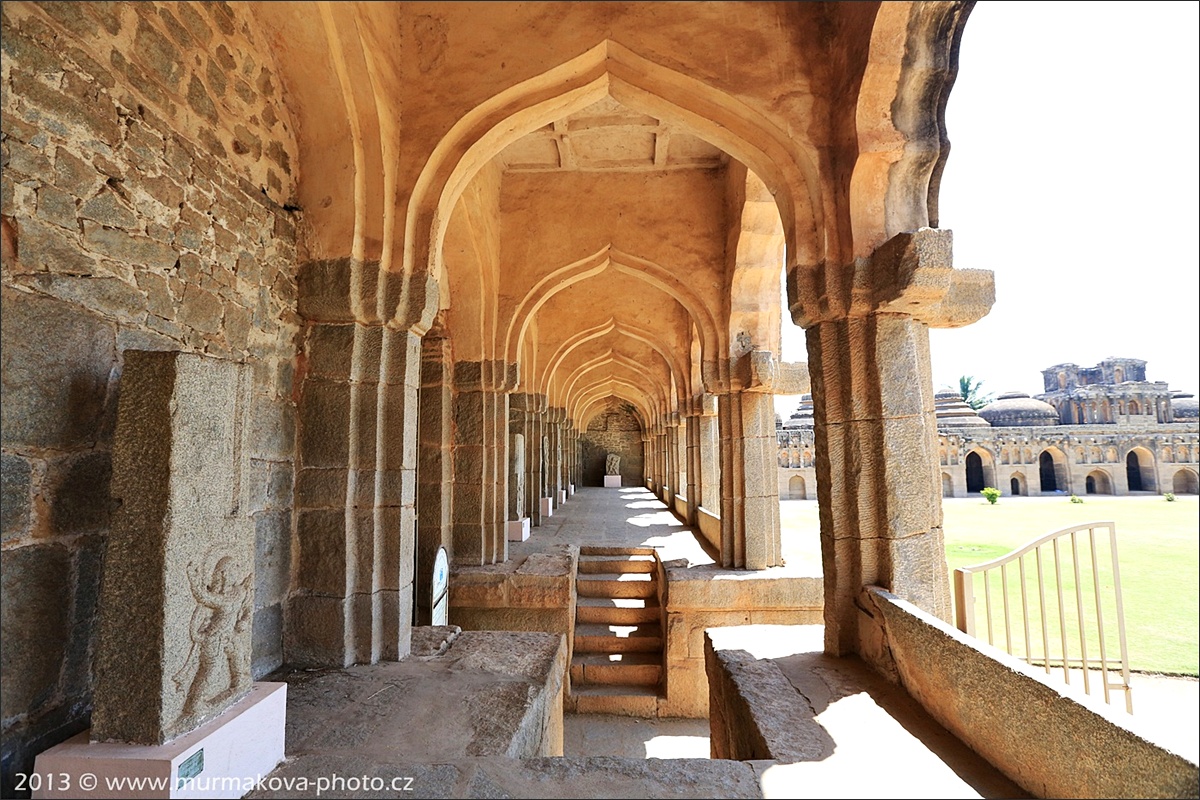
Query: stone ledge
x,y
489,693
1012,715
754,711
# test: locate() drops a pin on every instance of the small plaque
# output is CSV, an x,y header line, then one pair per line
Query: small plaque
x,y
192,766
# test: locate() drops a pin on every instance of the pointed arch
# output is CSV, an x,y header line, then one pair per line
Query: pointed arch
x,y
611,325
772,150
900,119
605,258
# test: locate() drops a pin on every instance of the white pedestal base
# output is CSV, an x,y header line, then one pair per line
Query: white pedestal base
x,y
570,490
562,496
547,507
222,758
612,481
518,530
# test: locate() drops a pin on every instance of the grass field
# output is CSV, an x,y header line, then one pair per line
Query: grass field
x,y
1158,546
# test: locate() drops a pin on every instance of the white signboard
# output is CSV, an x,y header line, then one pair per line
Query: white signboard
x,y
440,584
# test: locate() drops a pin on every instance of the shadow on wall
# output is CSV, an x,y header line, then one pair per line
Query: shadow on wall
x,y
615,430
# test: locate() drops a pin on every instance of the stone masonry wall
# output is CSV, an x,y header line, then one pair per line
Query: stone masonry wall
x,y
146,160
618,431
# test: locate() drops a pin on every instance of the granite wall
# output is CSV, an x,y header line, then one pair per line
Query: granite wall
x,y
146,181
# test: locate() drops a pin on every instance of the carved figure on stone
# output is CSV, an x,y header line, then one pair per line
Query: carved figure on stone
x,y
211,672
612,464
517,479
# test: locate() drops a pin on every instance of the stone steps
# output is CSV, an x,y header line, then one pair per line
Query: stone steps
x,y
617,669
642,638
608,611
617,584
594,564
617,661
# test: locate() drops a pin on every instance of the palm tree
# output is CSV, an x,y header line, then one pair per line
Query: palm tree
x,y
971,391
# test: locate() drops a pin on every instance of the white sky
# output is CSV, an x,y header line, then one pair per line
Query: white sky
x,y
1073,176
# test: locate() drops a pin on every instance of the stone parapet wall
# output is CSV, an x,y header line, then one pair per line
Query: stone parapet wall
x,y
147,157
1013,715
711,597
536,593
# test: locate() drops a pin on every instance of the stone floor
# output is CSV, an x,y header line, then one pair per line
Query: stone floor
x,y
633,517
422,730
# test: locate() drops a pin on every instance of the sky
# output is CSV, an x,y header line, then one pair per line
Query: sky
x,y
1073,176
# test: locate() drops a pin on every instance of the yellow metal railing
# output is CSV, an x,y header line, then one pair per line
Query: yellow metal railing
x,y
1079,570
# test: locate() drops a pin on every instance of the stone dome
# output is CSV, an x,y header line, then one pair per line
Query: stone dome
x,y
1184,407
1017,409
954,412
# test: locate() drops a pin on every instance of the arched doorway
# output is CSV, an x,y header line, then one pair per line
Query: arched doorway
x,y
1185,482
1139,470
1016,485
947,485
796,488
1098,482
1046,472
1133,472
975,481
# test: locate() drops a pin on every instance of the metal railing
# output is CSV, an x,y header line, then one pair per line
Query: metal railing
x,y
1046,634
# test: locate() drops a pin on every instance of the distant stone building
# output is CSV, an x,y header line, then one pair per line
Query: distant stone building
x,y
1096,430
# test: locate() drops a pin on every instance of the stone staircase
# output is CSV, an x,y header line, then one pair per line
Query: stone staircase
x,y
617,660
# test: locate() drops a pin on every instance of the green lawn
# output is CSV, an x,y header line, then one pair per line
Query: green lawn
x,y
1158,555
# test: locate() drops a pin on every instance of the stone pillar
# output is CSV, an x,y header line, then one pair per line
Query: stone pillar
x,y
674,472
435,472
692,436
749,481
710,455
174,640
554,419
876,445
355,496
647,457
516,477
480,462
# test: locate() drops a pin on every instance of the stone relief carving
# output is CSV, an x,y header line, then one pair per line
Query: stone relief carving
x,y
612,464
213,671
517,477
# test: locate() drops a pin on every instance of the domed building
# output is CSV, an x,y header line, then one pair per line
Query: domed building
x,y
1096,430
1017,408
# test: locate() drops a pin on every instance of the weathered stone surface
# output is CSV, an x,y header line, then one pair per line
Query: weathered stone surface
x,y
267,649
272,557
14,495
42,247
81,499
110,297
57,206
970,692
180,539
36,581
128,248
57,363
106,209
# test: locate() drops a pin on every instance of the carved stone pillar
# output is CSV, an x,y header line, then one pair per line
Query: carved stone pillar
x,y
749,482
356,496
480,461
876,435
435,472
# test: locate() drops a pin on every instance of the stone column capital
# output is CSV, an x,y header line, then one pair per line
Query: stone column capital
x,y
911,274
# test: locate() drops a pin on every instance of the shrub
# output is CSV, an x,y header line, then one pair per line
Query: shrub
x,y
991,493
1076,498
1169,497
